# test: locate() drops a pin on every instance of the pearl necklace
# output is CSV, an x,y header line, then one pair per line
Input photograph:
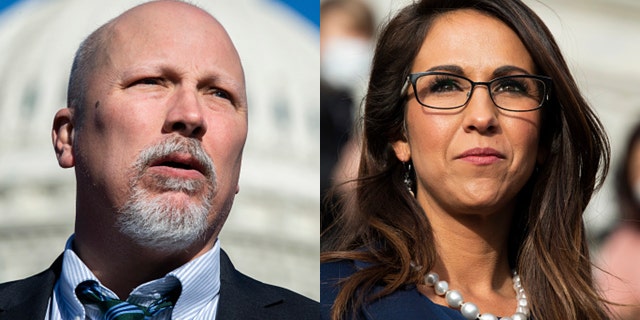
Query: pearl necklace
x,y
468,309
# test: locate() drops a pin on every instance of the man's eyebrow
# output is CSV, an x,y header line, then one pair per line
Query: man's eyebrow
x,y
222,79
146,70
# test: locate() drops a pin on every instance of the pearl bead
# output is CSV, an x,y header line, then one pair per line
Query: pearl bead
x,y
470,311
454,298
431,279
441,287
523,303
523,310
488,316
519,316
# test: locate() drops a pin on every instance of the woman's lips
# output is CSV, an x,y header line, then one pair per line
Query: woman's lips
x,y
481,156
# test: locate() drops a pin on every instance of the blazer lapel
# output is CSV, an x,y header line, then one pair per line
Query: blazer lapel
x,y
28,299
242,298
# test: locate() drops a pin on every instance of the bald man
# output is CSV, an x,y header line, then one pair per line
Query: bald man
x,y
155,126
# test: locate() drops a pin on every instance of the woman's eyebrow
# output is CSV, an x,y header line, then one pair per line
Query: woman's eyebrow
x,y
509,70
452,68
499,72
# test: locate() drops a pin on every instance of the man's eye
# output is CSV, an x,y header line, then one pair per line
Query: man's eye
x,y
220,93
147,81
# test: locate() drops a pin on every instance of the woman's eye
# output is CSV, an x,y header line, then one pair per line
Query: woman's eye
x,y
512,87
444,85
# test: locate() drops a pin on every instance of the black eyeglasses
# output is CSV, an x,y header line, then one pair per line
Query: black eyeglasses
x,y
445,91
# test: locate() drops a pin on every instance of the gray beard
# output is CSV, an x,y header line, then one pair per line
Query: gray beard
x,y
152,219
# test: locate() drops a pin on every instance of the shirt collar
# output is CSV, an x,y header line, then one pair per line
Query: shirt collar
x,y
74,272
199,278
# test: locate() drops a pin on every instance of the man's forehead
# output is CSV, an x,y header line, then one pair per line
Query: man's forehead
x,y
175,29
151,9
165,14
174,36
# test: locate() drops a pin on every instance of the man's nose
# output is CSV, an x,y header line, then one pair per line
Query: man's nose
x,y
186,114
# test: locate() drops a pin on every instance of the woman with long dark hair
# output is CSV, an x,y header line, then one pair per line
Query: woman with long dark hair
x,y
479,157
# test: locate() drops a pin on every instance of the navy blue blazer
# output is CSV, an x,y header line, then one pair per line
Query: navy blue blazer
x,y
241,297
404,304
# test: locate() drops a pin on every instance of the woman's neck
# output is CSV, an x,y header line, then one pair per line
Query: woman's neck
x,y
473,258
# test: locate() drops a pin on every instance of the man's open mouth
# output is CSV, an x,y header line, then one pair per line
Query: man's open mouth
x,y
180,161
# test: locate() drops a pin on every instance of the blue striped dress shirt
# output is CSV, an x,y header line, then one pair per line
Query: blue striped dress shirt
x,y
199,279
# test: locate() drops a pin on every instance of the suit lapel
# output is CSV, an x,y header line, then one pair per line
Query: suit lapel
x,y
28,299
242,298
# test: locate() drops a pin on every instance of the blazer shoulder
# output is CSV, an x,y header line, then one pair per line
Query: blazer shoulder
x,y
404,303
28,298
331,276
333,271
241,293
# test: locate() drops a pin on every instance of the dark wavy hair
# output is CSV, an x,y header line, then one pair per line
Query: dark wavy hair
x,y
548,245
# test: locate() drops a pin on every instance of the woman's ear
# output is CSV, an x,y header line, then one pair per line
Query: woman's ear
x,y
62,137
402,150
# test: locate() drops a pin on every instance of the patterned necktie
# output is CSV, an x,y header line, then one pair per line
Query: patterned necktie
x,y
113,309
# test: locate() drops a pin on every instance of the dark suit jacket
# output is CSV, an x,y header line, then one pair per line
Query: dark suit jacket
x,y
405,303
241,297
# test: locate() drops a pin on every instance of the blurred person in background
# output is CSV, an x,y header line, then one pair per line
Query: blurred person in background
x,y
618,268
347,28
479,157
155,127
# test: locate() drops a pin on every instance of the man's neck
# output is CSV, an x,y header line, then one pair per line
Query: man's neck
x,y
121,265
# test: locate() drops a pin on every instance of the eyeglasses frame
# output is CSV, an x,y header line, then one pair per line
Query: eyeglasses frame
x,y
413,77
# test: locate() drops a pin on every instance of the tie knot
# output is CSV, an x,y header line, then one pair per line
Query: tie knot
x,y
90,293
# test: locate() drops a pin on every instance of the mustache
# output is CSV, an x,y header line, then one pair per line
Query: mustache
x,y
177,144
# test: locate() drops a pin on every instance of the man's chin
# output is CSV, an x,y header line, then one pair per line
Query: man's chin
x,y
162,184
166,222
176,192
164,238
179,200
167,248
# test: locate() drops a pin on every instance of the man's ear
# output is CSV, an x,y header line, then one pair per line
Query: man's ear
x,y
402,150
62,136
